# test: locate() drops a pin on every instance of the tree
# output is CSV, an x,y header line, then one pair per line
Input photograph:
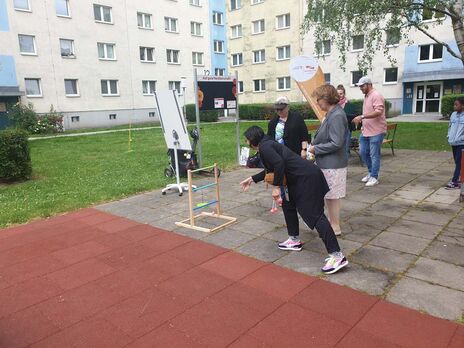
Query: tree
x,y
380,21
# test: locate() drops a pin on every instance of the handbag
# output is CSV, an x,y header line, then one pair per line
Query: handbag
x,y
254,161
269,179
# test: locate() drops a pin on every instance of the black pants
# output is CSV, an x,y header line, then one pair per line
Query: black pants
x,y
292,207
457,154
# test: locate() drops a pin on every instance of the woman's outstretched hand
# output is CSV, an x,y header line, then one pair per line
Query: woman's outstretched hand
x,y
245,184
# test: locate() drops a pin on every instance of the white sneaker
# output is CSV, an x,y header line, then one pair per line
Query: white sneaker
x,y
372,182
366,178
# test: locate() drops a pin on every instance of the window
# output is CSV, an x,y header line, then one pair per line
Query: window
x,y
236,31
33,88
148,87
429,15
323,48
355,76
195,2
241,88
327,78
393,37
172,56
237,59
220,72
358,42
195,29
170,24
174,85
27,44
218,46
144,20
390,75
67,48
112,116
283,52
283,83
283,21
259,56
217,18
22,5
102,13
235,4
109,87
62,8
257,26
197,58
430,53
151,114
75,118
259,85
106,51
254,2
70,87
147,54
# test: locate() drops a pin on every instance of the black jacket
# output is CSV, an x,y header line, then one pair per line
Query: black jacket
x,y
306,183
295,131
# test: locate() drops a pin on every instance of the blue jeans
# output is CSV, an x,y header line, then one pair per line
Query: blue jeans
x,y
348,142
369,147
457,153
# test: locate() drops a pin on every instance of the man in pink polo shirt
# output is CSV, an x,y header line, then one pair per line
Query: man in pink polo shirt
x,y
374,127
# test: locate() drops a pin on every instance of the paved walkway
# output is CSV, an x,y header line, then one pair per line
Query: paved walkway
x,y
95,278
404,237
91,279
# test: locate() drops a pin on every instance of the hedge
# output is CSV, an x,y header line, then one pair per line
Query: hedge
x,y
266,111
205,116
15,159
447,104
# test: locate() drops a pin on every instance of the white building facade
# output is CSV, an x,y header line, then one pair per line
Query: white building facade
x,y
99,63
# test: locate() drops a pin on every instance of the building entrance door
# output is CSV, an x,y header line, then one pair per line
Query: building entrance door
x,y
427,97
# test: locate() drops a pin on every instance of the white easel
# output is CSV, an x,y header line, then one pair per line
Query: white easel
x,y
179,186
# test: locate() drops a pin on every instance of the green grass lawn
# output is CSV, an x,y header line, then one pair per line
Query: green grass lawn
x,y
75,172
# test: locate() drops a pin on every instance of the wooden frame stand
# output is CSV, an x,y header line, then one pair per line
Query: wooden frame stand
x,y
190,222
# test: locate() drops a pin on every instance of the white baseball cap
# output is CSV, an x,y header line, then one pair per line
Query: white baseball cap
x,y
282,100
363,80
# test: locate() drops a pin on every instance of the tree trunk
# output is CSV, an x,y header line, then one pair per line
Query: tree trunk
x,y
458,27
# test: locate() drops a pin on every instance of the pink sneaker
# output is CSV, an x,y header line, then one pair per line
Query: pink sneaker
x,y
291,244
334,263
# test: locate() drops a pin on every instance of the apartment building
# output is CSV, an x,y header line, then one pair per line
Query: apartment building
x,y
265,34
424,71
99,62
262,36
218,41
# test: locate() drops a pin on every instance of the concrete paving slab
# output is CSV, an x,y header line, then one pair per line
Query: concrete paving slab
x,y
429,298
383,259
304,261
449,252
262,249
399,242
438,272
355,276
256,227
415,229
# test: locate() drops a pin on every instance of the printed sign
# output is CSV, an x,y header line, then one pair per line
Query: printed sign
x,y
214,91
303,68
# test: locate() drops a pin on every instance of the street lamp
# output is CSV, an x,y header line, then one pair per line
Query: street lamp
x,y
183,86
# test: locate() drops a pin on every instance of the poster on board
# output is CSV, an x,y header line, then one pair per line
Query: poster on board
x,y
216,92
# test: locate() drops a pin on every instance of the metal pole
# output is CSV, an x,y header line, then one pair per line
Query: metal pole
x,y
197,114
237,117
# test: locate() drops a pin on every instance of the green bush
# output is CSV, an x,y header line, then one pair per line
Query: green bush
x,y
205,116
51,122
23,117
15,159
447,104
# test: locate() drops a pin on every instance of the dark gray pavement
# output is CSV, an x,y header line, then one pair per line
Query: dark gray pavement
x,y
404,238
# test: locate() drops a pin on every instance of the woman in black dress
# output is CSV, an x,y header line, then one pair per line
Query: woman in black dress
x,y
306,188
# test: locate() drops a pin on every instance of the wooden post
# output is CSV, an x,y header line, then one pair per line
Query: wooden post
x,y
192,217
216,180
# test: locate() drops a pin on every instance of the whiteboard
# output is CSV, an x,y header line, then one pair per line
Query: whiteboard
x,y
172,119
